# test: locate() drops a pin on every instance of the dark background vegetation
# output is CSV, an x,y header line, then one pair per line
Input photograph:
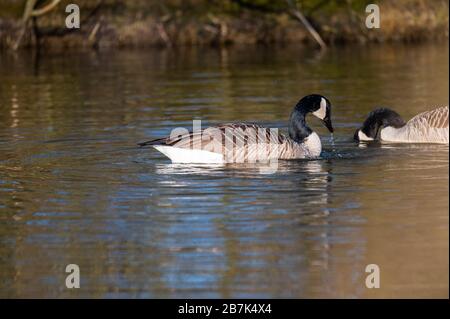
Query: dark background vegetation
x,y
121,23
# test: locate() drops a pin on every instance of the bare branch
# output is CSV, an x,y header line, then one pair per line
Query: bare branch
x,y
298,15
44,10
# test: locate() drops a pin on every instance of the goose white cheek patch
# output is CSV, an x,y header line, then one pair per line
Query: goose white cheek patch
x,y
322,111
363,137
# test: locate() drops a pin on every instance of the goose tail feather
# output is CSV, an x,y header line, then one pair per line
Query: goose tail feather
x,y
158,141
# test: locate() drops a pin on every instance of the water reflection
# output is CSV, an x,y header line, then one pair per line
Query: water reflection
x,y
74,188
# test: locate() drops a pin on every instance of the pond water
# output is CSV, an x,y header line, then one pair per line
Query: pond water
x,y
75,189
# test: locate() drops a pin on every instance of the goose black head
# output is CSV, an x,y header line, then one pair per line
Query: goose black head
x,y
317,105
377,120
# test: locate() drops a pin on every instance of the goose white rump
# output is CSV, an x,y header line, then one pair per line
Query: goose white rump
x,y
180,155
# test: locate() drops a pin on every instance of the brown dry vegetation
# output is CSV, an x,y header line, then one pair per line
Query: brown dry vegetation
x,y
142,23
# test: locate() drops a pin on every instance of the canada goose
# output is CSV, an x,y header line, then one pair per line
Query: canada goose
x,y
241,142
386,125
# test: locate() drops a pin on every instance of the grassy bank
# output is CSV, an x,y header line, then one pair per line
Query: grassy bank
x,y
120,23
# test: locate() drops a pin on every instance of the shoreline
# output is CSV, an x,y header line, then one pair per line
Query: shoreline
x,y
104,28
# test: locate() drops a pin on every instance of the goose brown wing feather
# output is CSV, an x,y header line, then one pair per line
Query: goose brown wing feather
x,y
437,118
238,142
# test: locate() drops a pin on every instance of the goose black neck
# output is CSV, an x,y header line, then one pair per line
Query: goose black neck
x,y
381,118
298,129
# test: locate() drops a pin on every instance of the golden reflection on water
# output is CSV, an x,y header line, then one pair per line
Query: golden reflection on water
x,y
75,189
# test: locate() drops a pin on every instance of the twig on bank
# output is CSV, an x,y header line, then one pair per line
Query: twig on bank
x,y
163,34
44,10
92,39
29,5
31,12
221,27
298,15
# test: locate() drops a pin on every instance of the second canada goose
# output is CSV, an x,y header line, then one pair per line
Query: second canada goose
x,y
242,142
386,125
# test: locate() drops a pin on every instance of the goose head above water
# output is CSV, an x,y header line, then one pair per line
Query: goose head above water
x,y
375,122
317,105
